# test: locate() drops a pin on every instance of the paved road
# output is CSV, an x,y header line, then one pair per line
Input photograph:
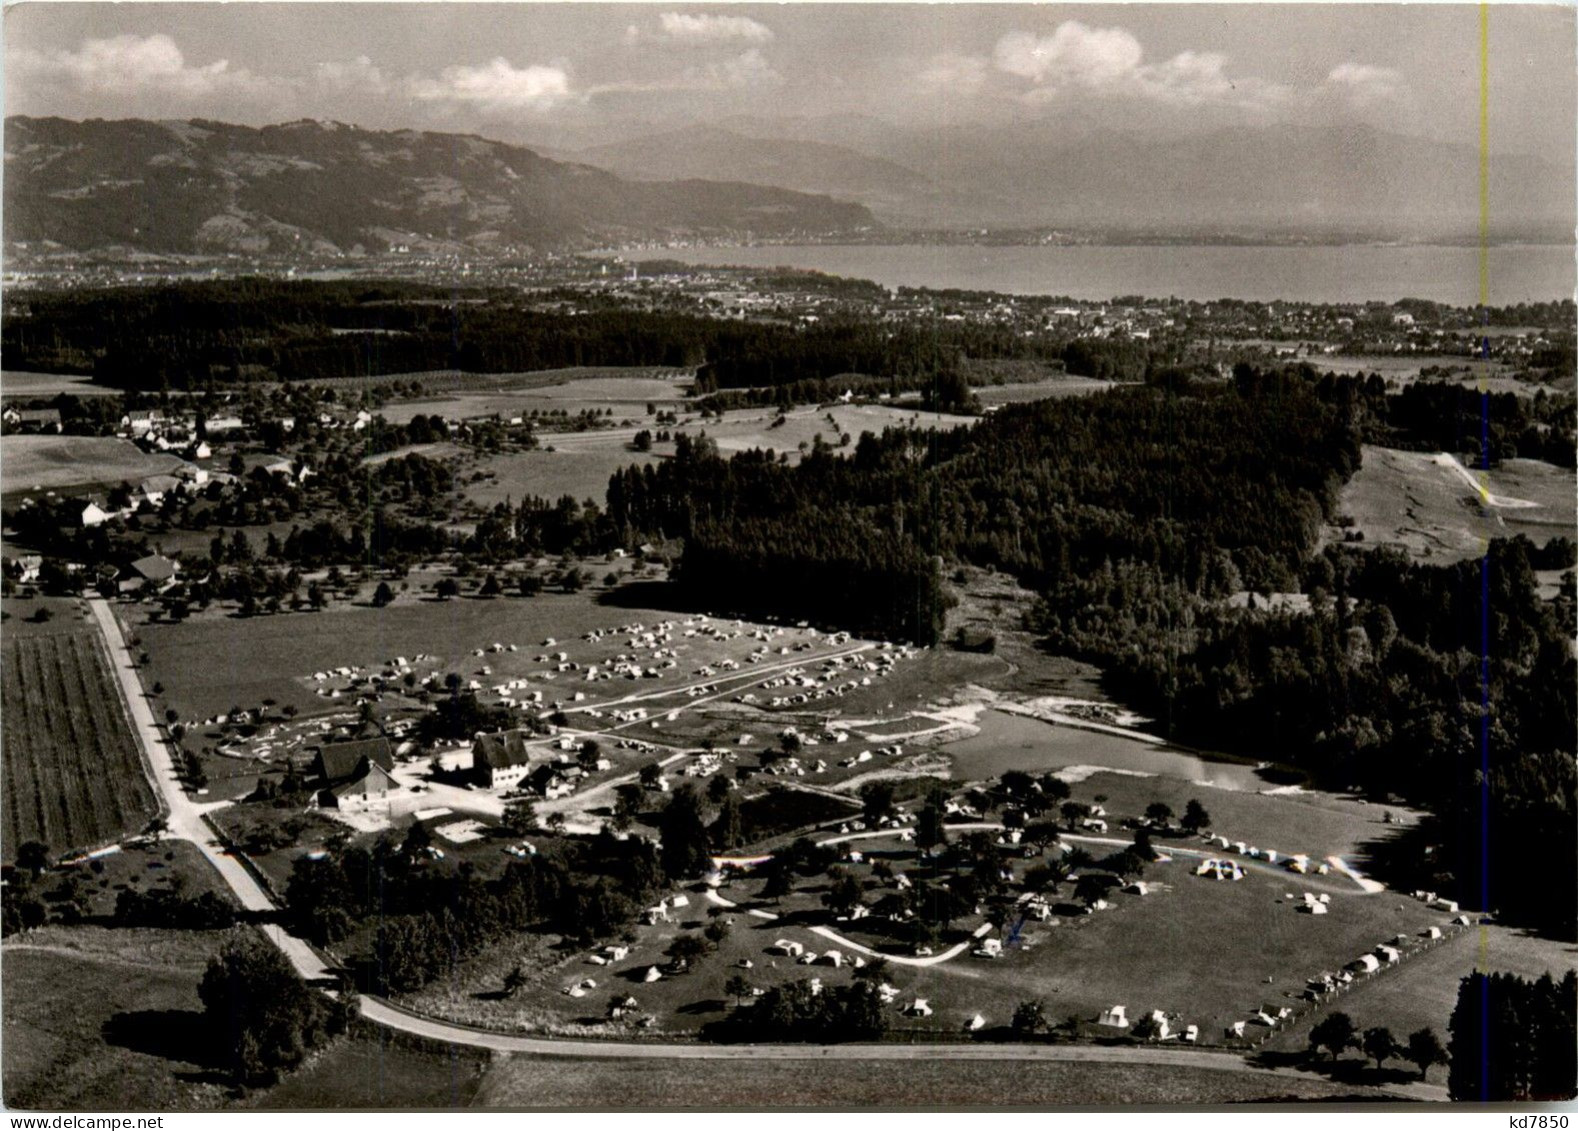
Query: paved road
x,y
185,817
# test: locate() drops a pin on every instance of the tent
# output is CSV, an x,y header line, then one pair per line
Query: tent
x,y
1191,1033
652,974
787,947
1236,1029
975,1024
918,1008
1365,964
1431,932
1115,1017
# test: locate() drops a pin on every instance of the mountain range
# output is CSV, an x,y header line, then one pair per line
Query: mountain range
x,y
191,187
1049,172
322,188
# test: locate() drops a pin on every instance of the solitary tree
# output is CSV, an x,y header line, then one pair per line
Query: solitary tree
x,y
685,949
1334,1033
1073,812
1158,814
520,815
737,987
1030,1017
383,595
1380,1046
446,588
33,855
1424,1051
1195,818
514,980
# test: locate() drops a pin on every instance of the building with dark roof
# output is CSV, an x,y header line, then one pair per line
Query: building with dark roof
x,y
500,759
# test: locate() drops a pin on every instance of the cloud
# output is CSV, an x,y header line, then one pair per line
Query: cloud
x,y
748,69
497,86
1077,58
360,75
677,27
1365,85
1073,55
127,65
953,74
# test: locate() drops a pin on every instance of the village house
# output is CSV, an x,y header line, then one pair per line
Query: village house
x,y
154,572
142,421
500,760
353,773
32,419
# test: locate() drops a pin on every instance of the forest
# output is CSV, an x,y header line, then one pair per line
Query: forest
x,y
207,335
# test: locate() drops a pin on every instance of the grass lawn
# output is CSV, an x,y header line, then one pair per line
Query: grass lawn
x,y
56,462
1403,499
377,1068
74,774
107,1019
18,385
582,473
1058,385
526,1081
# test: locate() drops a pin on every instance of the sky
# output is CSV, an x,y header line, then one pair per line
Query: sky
x,y
572,74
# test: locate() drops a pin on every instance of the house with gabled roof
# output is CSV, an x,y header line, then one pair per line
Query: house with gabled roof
x,y
356,772
501,759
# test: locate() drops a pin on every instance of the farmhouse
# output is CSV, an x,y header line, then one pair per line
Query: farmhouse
x,y
501,759
155,572
141,421
354,773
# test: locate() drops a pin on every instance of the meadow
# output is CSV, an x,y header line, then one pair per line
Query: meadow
x,y
845,1081
19,385
74,775
1404,499
106,1019
35,463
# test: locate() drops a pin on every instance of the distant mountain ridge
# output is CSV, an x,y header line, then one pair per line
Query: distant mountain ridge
x,y
802,165
194,187
1053,172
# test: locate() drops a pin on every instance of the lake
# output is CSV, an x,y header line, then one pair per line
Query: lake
x,y
1361,273
1018,742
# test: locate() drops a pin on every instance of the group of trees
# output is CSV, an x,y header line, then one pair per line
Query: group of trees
x,y
1512,1038
796,1011
1336,1033
430,917
261,1016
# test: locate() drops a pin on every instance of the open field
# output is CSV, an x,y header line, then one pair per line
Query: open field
x,y
74,776
1409,500
1403,369
839,1082
374,1068
1062,385
106,1019
580,473
19,385
57,462
625,392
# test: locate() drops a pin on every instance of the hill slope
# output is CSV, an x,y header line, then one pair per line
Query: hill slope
x,y
320,187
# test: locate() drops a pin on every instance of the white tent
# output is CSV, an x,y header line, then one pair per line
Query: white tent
x,y
1236,1029
1191,1033
1115,1017
1365,964
975,1023
788,947
652,974
918,1008
1431,932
